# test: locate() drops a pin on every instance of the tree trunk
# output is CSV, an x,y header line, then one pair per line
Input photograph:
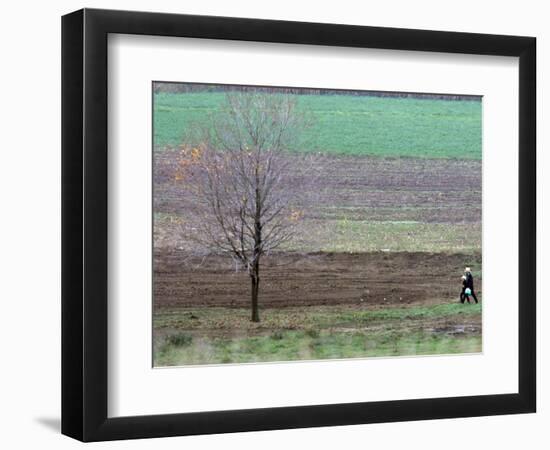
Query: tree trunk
x,y
255,273
255,279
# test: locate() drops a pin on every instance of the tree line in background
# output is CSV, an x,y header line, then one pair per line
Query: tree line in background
x,y
177,88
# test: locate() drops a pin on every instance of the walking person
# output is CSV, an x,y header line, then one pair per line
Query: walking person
x,y
470,282
465,292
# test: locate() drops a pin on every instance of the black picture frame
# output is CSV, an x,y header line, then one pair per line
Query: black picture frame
x,y
84,224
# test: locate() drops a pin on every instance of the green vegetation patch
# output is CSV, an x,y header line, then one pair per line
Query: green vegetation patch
x,y
356,236
307,318
349,125
226,335
299,345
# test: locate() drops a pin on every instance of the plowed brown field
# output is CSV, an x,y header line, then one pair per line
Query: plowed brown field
x,y
376,278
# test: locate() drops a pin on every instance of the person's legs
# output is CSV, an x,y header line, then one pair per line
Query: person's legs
x,y
474,295
462,295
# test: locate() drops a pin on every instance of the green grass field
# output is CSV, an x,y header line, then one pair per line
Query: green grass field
x,y
359,236
344,235
350,125
222,335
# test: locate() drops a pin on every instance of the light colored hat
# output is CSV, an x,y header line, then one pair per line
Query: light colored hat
x,y
467,269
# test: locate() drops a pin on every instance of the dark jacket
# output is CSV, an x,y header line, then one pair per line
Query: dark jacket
x,y
470,281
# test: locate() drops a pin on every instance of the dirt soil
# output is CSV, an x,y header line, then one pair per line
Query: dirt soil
x,y
367,279
366,188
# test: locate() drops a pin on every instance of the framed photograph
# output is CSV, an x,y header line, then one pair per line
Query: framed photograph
x,y
273,224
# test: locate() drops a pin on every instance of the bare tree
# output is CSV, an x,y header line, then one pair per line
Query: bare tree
x,y
245,187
